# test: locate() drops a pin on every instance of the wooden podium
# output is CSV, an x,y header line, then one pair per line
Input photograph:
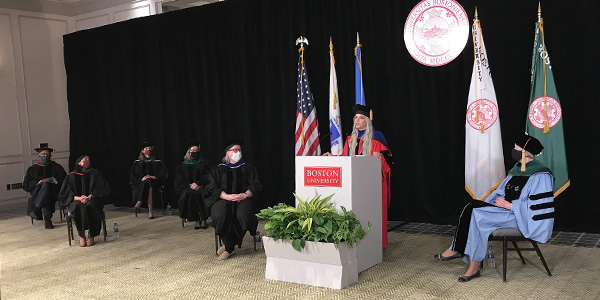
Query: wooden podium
x,y
356,183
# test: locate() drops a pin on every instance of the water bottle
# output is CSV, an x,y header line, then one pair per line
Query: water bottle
x,y
491,261
169,209
116,232
258,239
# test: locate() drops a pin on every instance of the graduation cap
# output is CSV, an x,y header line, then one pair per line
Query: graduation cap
x,y
80,158
146,144
363,110
530,144
44,146
191,144
232,143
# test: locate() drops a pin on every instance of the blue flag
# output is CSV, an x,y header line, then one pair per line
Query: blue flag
x,y
358,83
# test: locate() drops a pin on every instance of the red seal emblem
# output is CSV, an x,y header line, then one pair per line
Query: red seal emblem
x,y
482,110
540,111
436,31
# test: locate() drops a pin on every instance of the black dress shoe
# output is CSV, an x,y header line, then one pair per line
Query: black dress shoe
x,y
151,217
48,224
444,258
468,278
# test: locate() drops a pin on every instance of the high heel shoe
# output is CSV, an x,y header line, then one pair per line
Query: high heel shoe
x,y
137,211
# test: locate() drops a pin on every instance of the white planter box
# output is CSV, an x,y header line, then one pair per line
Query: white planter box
x,y
318,264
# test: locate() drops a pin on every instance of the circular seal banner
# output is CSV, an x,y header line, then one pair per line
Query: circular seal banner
x,y
538,112
482,110
436,31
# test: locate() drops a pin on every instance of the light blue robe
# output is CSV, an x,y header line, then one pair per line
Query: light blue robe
x,y
484,220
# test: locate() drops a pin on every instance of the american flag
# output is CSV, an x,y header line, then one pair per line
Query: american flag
x,y
307,127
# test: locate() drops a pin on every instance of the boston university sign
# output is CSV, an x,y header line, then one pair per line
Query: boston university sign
x,y
323,176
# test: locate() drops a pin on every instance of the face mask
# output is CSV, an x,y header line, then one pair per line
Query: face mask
x,y
236,156
44,160
515,154
195,155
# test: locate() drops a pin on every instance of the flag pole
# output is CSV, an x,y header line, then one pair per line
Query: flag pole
x,y
541,22
335,101
302,40
477,53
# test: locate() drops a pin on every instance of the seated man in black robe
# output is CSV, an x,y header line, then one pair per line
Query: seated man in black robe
x,y
147,175
233,185
43,181
83,192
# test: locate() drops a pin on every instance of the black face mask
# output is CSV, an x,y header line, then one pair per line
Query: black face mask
x,y
195,155
515,154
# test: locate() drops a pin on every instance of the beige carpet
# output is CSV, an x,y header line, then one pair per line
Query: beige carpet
x,y
157,259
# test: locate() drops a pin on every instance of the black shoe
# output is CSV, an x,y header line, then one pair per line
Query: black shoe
x,y
48,224
152,217
468,278
444,258
137,211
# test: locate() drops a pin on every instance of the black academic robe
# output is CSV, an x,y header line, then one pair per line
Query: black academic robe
x,y
47,192
191,202
229,216
139,188
85,216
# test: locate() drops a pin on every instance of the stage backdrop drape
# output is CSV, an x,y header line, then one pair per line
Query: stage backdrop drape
x,y
227,70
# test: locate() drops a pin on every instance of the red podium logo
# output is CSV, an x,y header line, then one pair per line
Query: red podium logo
x,y
323,176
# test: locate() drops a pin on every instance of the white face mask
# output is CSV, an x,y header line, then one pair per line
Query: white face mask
x,y
236,156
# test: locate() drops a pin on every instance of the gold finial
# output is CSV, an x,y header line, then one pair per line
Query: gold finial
x,y
539,11
357,39
476,17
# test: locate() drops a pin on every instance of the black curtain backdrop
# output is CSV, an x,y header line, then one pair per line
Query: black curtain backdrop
x,y
228,70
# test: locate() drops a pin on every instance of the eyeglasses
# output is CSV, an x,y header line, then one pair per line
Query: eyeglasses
x,y
236,150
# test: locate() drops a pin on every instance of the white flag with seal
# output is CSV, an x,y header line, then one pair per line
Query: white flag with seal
x,y
484,161
335,128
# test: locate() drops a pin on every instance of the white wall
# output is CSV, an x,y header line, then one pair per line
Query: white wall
x,y
33,84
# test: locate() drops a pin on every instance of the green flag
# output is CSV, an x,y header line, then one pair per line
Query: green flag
x,y
544,119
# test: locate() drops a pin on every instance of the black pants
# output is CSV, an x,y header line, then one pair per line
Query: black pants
x,y
41,204
464,221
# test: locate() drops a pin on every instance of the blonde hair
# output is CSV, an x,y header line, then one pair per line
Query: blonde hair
x,y
188,155
366,139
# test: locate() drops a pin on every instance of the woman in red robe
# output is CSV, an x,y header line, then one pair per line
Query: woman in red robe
x,y
364,140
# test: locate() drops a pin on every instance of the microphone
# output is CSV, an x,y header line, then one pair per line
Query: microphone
x,y
321,139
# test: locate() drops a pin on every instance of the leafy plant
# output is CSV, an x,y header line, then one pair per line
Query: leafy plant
x,y
313,220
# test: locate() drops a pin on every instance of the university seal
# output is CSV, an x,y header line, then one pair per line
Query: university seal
x,y
539,112
482,110
436,31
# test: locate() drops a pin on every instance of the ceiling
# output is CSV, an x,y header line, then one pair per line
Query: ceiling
x,y
79,7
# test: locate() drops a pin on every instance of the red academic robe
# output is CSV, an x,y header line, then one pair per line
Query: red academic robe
x,y
379,144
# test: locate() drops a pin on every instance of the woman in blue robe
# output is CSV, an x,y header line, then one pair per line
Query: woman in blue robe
x,y
524,200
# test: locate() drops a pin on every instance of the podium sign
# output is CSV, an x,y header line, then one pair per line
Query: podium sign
x,y
356,185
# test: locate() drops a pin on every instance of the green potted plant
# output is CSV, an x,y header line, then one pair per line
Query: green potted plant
x,y
313,220
322,242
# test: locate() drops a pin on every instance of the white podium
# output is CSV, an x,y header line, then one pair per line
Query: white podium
x,y
356,183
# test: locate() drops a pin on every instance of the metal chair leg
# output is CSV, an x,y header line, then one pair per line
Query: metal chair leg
x,y
539,253
518,251
104,224
504,258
